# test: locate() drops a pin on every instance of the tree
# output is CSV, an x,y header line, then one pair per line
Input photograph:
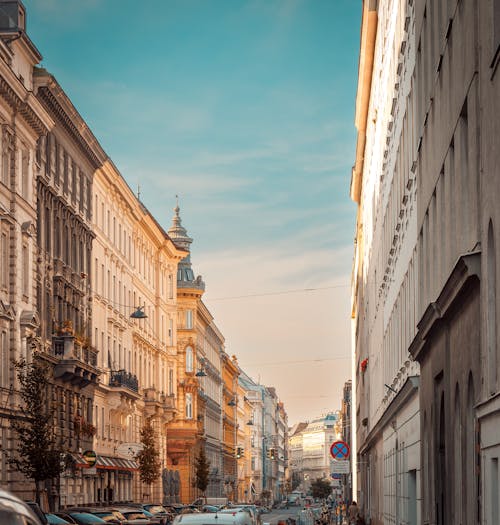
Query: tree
x,y
38,453
202,470
149,457
296,480
320,488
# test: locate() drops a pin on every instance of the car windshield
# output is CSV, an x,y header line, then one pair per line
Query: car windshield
x,y
155,509
106,516
86,518
133,515
55,520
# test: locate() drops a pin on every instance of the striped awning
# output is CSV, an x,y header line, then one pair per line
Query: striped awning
x,y
111,463
107,463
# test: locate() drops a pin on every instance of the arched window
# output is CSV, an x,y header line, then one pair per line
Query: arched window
x,y
471,455
492,310
457,459
189,359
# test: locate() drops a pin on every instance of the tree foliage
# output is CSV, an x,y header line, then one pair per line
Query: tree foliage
x,y
149,457
321,488
296,480
38,455
202,470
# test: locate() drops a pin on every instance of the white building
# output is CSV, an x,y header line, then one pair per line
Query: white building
x,y
134,266
385,270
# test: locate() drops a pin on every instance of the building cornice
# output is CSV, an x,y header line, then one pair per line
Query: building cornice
x,y
14,93
465,275
365,69
61,108
408,390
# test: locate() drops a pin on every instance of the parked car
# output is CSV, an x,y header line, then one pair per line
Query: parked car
x,y
241,510
15,511
33,505
217,518
110,516
210,508
52,519
81,518
136,515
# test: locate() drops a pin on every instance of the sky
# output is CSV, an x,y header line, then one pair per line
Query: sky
x,y
245,110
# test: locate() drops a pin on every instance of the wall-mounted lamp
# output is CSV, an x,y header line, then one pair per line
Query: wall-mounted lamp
x,y
249,422
232,403
201,373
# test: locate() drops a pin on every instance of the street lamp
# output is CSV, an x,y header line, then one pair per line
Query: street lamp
x,y
139,313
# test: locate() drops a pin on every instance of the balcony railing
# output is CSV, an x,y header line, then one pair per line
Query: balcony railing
x,y
67,347
77,363
122,378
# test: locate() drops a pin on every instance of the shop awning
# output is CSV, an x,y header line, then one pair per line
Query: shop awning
x,y
106,462
111,463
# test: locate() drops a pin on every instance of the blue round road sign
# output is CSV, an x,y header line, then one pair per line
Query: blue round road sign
x,y
339,450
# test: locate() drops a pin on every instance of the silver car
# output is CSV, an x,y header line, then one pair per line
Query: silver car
x,y
15,512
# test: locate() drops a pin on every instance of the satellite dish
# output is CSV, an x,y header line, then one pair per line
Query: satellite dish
x,y
129,450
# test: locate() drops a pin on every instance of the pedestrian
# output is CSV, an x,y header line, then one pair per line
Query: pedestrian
x,y
353,513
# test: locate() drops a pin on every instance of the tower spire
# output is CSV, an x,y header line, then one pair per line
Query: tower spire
x,y
180,237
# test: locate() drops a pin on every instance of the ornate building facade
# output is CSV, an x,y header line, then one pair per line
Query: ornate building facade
x,y
185,431
68,158
23,120
134,268
230,372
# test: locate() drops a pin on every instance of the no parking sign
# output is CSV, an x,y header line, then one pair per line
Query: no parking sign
x,y
340,450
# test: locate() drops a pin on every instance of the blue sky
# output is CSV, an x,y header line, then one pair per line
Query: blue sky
x,y
245,109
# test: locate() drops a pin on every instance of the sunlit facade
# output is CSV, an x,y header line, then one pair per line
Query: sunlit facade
x,y
23,121
385,270
134,267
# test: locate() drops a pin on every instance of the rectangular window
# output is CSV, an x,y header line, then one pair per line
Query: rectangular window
x,y
189,319
170,286
170,382
495,514
25,180
171,332
26,271
4,261
189,406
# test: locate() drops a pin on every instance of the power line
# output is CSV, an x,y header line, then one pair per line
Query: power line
x,y
284,292
301,361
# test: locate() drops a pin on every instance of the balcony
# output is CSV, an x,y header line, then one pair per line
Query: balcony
x,y
158,403
76,363
121,378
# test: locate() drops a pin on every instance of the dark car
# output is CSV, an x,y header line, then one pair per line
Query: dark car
x,y
52,519
80,518
16,512
136,515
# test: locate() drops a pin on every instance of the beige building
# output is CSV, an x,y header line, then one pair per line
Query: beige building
x,y
23,120
134,267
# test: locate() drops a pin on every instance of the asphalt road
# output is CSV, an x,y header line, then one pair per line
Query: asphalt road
x,y
279,514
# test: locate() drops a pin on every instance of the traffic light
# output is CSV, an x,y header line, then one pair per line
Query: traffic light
x,y
271,453
239,453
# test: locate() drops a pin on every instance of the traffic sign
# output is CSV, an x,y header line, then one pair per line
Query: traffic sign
x,y
339,450
336,476
342,466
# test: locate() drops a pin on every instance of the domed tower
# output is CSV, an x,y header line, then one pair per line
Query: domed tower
x,y
185,274
185,431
